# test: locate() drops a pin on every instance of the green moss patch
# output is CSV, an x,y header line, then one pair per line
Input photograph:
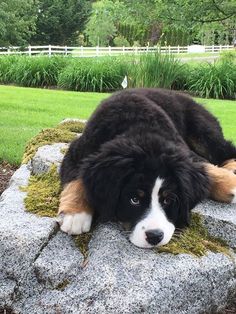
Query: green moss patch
x,y
62,133
72,126
42,199
82,241
43,193
195,240
46,137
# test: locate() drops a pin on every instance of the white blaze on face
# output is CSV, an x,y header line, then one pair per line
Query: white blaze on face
x,y
155,219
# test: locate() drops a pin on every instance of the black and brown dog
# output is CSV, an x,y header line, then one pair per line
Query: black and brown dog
x,y
146,157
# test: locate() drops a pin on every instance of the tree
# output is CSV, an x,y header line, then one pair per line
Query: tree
x,y
206,21
59,20
190,13
101,26
17,22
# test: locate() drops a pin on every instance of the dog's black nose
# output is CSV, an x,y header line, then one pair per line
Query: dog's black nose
x,y
154,236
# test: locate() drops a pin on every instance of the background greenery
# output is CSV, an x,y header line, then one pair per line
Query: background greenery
x,y
26,111
117,22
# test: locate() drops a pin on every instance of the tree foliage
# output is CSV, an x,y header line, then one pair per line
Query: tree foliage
x,y
188,13
58,20
108,22
17,21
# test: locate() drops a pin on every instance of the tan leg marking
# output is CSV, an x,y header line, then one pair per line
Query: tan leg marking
x,y
230,165
73,199
77,216
222,184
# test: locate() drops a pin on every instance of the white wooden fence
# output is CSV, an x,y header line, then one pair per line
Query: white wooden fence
x,y
104,51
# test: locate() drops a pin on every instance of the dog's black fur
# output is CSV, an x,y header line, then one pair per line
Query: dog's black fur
x,y
134,137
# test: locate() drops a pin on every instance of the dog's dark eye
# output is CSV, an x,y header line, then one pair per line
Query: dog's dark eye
x,y
166,201
134,201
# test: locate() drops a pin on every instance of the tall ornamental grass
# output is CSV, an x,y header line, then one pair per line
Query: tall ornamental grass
x,y
6,63
27,71
93,74
105,74
214,80
37,71
157,70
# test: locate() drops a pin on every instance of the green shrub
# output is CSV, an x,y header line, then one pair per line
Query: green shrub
x,y
214,80
157,70
121,41
6,64
228,56
37,71
93,74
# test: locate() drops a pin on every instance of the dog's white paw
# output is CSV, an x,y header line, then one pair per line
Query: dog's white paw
x,y
76,223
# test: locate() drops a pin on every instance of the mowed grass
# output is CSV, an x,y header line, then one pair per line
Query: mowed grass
x,y
25,111
225,111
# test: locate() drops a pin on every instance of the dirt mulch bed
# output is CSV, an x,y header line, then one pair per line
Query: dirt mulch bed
x,y
6,171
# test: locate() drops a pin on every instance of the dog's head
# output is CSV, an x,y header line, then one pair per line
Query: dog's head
x,y
153,189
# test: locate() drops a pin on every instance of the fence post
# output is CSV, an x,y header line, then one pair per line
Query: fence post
x,y
49,50
147,48
136,51
8,51
66,52
81,51
169,50
97,51
109,50
29,49
123,50
178,49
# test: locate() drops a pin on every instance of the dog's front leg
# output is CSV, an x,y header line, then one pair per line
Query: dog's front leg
x,y
76,215
230,165
222,184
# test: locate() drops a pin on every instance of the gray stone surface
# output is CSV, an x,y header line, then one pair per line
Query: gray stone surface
x,y
220,220
46,156
73,120
41,270
120,278
59,262
7,288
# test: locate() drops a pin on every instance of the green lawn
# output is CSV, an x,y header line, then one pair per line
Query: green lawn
x,y
25,111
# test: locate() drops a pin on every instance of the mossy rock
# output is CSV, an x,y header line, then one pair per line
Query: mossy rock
x,y
46,137
195,240
72,126
62,133
43,193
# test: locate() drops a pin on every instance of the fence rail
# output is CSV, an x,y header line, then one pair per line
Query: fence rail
x,y
110,51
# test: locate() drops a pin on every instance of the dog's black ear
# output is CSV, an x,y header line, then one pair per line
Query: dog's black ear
x,y
194,186
104,173
193,183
